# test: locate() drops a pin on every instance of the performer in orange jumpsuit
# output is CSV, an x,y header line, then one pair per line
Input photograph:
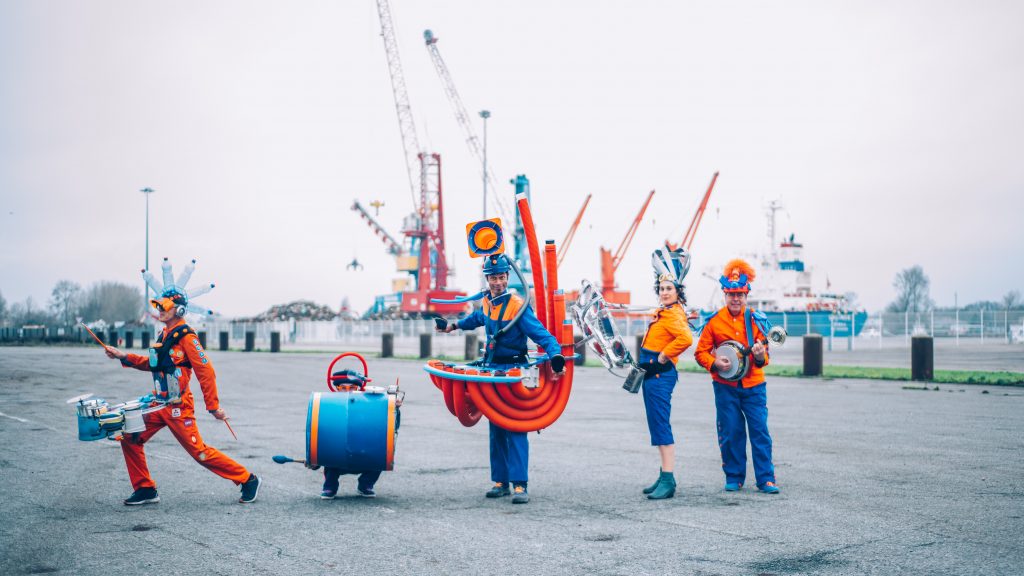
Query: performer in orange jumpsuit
x,y
176,354
740,405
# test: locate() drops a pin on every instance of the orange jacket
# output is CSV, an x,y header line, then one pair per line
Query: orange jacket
x,y
669,333
188,348
724,326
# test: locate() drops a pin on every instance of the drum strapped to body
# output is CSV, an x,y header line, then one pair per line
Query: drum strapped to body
x,y
97,419
739,360
352,427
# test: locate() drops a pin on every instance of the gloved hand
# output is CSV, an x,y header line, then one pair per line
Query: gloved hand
x,y
558,363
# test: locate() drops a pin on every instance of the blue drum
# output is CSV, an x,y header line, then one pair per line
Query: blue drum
x,y
89,412
351,429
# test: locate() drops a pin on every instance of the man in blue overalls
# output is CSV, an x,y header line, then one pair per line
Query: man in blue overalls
x,y
510,451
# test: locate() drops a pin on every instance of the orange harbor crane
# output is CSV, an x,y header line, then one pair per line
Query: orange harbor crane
x,y
564,246
610,263
691,232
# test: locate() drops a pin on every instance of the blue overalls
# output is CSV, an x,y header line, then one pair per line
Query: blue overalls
x,y
510,451
739,410
657,390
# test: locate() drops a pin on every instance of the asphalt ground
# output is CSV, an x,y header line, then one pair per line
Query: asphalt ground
x,y
875,478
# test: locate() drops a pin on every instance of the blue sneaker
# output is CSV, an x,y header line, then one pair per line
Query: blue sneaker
x,y
250,488
142,496
328,494
733,486
769,488
366,492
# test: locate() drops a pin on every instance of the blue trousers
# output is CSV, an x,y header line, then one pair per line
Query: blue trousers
x,y
740,410
658,401
510,455
365,482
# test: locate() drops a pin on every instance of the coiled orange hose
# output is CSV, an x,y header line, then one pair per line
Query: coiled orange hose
x,y
513,406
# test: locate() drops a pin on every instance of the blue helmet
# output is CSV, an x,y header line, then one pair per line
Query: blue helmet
x,y
496,264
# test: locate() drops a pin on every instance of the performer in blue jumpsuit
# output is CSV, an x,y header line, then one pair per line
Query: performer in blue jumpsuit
x,y
510,451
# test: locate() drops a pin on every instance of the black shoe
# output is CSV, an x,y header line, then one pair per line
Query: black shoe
x,y
519,494
366,492
143,496
500,489
250,489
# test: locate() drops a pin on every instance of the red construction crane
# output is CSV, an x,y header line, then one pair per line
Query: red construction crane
x,y
609,263
691,232
564,246
423,255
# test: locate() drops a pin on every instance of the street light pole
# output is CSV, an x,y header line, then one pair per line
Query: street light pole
x,y
145,287
485,114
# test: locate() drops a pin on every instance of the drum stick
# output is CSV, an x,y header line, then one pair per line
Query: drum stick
x,y
93,334
284,460
230,429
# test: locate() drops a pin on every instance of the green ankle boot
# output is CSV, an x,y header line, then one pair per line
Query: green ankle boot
x,y
654,486
666,487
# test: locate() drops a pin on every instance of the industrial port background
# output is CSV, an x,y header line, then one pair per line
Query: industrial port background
x,y
889,131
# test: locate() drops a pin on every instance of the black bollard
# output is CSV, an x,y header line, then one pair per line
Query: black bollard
x,y
275,341
814,355
112,337
250,341
425,342
145,339
129,339
387,345
202,339
223,341
922,358
472,346
581,350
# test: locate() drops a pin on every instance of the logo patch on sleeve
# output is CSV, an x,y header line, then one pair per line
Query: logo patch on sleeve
x,y
188,422
175,412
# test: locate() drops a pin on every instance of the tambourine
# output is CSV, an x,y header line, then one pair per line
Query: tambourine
x,y
739,360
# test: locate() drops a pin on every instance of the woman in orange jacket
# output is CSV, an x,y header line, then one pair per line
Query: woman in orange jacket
x,y
666,338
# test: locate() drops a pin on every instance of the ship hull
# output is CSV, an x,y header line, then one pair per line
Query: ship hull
x,y
824,322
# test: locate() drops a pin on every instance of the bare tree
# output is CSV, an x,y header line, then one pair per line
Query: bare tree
x,y
1012,300
112,302
911,286
64,301
26,313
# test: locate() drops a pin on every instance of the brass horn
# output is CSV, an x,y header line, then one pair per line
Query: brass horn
x,y
777,335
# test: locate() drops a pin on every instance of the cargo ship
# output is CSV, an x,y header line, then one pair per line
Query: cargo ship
x,y
784,290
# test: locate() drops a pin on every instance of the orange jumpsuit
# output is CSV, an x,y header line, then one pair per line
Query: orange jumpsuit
x,y
180,418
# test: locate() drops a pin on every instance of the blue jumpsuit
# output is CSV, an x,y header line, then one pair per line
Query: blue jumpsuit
x,y
510,451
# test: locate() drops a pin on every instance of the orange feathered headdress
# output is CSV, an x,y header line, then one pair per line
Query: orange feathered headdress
x,y
737,276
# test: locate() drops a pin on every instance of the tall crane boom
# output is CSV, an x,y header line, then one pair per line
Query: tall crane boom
x,y
463,118
563,248
621,252
610,263
410,143
691,232
394,246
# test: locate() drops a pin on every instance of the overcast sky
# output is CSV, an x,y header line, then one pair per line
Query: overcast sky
x,y
892,132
